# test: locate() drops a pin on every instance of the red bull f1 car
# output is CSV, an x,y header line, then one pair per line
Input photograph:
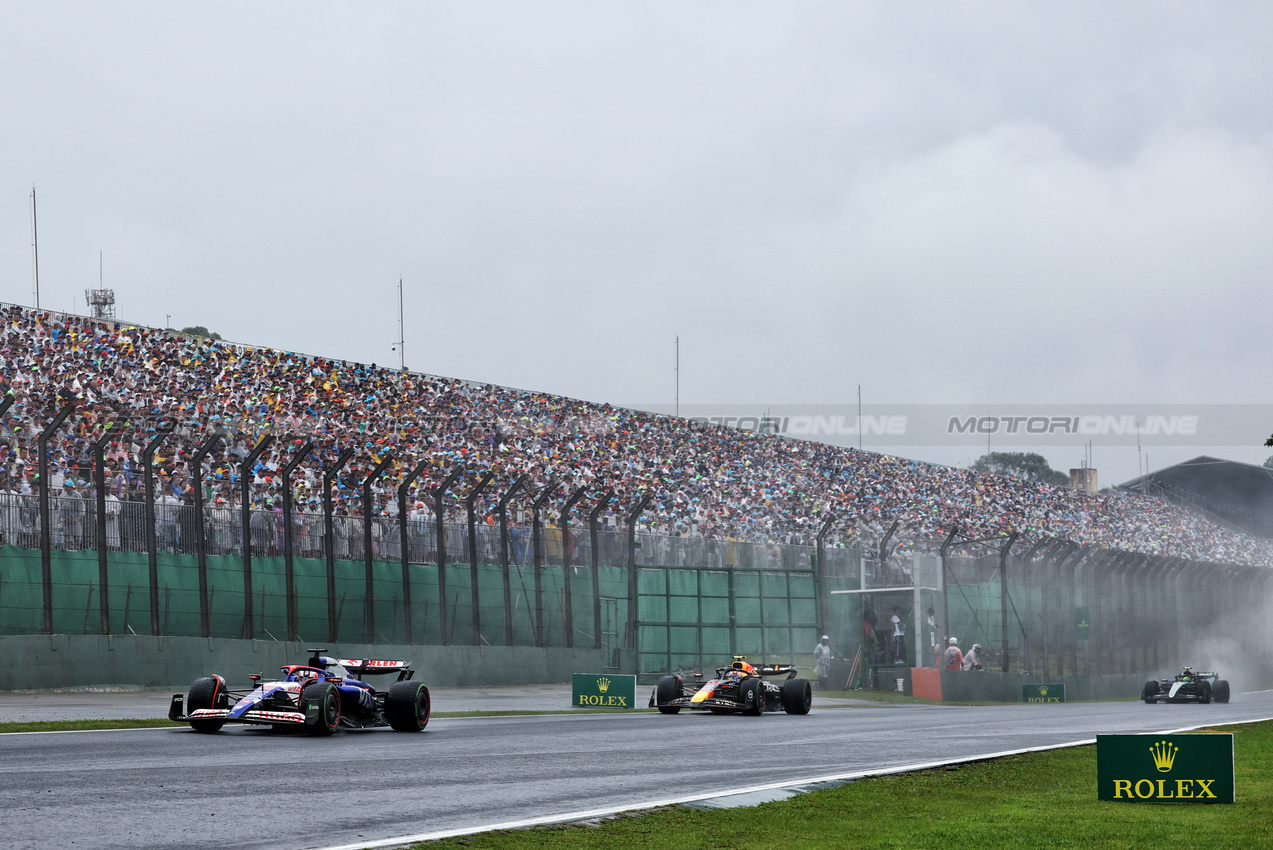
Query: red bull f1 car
x,y
1189,686
319,696
739,688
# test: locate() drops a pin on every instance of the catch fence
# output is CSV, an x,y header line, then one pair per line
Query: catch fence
x,y
650,603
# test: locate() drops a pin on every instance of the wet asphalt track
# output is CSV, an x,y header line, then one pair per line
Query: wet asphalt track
x,y
253,788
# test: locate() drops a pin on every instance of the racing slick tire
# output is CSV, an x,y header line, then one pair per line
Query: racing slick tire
x,y
751,692
669,689
208,692
320,703
1150,691
1220,691
797,696
1204,692
407,706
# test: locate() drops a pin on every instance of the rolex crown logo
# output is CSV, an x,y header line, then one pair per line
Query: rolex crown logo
x,y
1043,690
1164,755
603,685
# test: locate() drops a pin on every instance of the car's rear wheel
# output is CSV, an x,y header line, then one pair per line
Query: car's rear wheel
x,y
208,692
752,694
1204,692
407,706
1220,691
669,689
797,696
320,703
1150,691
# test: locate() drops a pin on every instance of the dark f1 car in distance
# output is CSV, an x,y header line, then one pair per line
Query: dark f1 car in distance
x,y
319,696
1189,686
740,687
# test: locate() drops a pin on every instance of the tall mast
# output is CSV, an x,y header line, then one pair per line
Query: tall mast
x,y
35,245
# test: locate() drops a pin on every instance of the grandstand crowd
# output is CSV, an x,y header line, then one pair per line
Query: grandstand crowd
x,y
706,481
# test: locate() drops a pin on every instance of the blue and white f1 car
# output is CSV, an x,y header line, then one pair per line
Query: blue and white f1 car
x,y
319,696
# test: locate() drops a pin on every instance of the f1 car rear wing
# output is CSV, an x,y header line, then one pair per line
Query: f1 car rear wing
x,y
363,666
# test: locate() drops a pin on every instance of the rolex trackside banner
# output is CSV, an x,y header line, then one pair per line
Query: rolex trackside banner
x,y
1003,424
1165,768
593,690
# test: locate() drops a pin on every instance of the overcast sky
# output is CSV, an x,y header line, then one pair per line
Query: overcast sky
x,y
954,203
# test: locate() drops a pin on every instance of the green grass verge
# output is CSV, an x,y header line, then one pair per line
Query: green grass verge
x,y
1028,801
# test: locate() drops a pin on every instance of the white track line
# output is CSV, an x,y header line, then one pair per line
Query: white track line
x,y
589,814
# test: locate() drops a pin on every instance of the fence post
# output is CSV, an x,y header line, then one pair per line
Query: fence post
x,y
103,543
537,544
568,606
152,544
46,510
945,590
596,568
245,516
289,571
200,535
439,511
369,603
329,539
470,506
1003,594
633,590
502,510
404,542
820,578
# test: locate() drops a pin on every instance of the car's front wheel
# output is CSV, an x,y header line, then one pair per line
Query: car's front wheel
x,y
1204,693
797,696
208,692
1150,691
320,703
407,706
670,688
752,694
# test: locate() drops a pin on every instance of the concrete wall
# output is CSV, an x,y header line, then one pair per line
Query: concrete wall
x,y
43,662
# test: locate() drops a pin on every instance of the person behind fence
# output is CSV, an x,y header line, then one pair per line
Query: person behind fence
x,y
953,658
972,660
822,663
899,635
934,642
